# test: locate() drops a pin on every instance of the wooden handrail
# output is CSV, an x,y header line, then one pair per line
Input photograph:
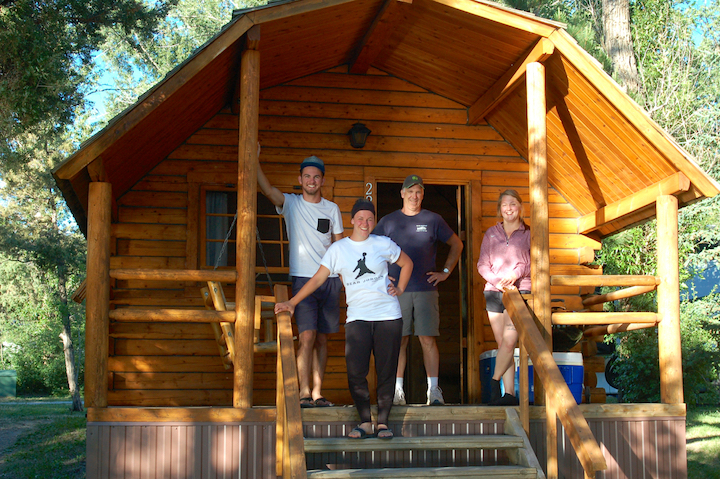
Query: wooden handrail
x,y
602,317
615,295
616,328
174,275
604,280
560,399
172,315
289,448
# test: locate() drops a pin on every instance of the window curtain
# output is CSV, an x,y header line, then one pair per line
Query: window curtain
x,y
216,202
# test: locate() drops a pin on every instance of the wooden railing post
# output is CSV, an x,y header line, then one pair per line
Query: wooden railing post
x,y
290,459
246,221
668,294
540,231
561,403
97,306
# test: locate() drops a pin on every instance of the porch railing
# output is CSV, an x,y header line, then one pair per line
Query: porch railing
x,y
560,403
99,314
289,442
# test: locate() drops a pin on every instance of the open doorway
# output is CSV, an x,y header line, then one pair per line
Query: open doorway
x,y
448,202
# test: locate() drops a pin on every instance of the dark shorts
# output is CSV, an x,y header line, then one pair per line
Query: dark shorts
x,y
321,310
493,301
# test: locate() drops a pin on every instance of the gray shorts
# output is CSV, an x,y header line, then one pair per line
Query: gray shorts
x,y
493,301
420,313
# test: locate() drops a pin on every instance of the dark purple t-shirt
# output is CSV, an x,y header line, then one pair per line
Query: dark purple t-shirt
x,y
417,236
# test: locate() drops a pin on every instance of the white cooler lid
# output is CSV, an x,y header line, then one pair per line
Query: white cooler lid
x,y
561,359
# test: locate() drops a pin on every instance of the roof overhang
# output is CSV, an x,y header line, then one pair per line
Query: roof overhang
x,y
605,155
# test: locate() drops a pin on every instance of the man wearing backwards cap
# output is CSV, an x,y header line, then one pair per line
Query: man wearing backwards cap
x,y
312,224
417,232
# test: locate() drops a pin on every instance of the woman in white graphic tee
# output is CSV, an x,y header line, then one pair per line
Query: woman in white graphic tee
x,y
374,319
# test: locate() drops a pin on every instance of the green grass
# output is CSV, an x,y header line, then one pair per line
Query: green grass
x,y
54,449
703,442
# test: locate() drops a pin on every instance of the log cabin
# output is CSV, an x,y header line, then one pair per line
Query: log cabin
x,y
474,97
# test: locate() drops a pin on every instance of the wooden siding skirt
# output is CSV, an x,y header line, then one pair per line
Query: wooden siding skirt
x,y
634,447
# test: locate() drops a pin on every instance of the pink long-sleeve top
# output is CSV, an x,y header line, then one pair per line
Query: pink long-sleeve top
x,y
500,255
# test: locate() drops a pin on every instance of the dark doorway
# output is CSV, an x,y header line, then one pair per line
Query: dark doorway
x,y
443,200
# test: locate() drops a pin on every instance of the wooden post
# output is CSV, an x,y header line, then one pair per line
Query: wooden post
x,y
246,222
668,294
524,388
97,306
540,232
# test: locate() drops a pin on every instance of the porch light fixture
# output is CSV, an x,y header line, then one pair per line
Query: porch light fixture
x,y
358,134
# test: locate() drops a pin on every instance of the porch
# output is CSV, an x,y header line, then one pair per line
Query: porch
x,y
637,440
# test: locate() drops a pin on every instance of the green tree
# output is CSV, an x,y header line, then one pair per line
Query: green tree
x,y
136,63
36,229
46,52
30,324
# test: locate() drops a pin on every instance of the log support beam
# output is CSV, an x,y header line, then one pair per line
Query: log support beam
x,y
668,296
673,185
509,81
540,234
249,87
377,36
97,307
96,171
252,42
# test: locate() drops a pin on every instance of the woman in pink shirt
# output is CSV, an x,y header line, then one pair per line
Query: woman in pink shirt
x,y
505,264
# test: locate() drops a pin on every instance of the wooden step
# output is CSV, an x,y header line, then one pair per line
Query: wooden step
x,y
480,441
519,472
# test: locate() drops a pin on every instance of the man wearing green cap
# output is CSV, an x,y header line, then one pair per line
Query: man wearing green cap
x,y
313,224
417,232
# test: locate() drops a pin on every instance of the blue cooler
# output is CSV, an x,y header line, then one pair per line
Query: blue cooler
x,y
570,366
487,367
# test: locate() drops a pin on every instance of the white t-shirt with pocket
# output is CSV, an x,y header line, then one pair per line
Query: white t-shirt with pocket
x,y
310,227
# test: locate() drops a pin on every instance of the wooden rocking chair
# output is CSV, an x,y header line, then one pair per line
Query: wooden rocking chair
x,y
214,298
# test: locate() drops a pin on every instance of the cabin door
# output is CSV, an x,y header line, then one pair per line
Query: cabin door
x,y
447,201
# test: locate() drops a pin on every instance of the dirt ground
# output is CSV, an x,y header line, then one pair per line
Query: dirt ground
x,y
11,431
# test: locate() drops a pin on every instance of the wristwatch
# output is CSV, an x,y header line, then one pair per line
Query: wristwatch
x,y
445,270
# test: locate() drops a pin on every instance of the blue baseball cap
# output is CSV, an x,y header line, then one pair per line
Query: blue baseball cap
x,y
313,161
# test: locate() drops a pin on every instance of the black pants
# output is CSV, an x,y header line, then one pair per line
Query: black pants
x,y
383,339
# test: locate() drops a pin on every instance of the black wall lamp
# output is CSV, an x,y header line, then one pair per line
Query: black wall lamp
x,y
358,134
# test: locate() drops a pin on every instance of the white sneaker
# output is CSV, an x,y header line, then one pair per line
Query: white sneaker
x,y
435,397
399,399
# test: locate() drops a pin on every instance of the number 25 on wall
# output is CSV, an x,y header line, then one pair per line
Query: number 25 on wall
x,y
369,191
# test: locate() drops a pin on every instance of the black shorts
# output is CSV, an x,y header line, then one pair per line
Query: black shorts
x,y
493,301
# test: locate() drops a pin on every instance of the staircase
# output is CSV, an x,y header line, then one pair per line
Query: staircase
x,y
522,460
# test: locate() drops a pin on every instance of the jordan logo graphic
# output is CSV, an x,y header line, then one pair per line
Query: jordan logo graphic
x,y
361,266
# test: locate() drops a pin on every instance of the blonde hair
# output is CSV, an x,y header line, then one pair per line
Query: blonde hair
x,y
513,194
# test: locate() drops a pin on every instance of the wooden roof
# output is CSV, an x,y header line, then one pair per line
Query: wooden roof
x,y
606,156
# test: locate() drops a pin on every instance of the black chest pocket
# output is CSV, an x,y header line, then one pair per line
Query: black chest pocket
x,y
323,225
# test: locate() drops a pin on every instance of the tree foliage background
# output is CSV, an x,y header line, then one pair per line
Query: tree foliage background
x,y
45,73
57,52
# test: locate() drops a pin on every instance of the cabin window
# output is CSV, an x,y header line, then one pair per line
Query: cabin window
x,y
217,214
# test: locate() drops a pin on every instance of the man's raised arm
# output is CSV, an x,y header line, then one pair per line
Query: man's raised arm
x,y
272,193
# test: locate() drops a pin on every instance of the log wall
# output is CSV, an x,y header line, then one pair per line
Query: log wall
x,y
158,219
